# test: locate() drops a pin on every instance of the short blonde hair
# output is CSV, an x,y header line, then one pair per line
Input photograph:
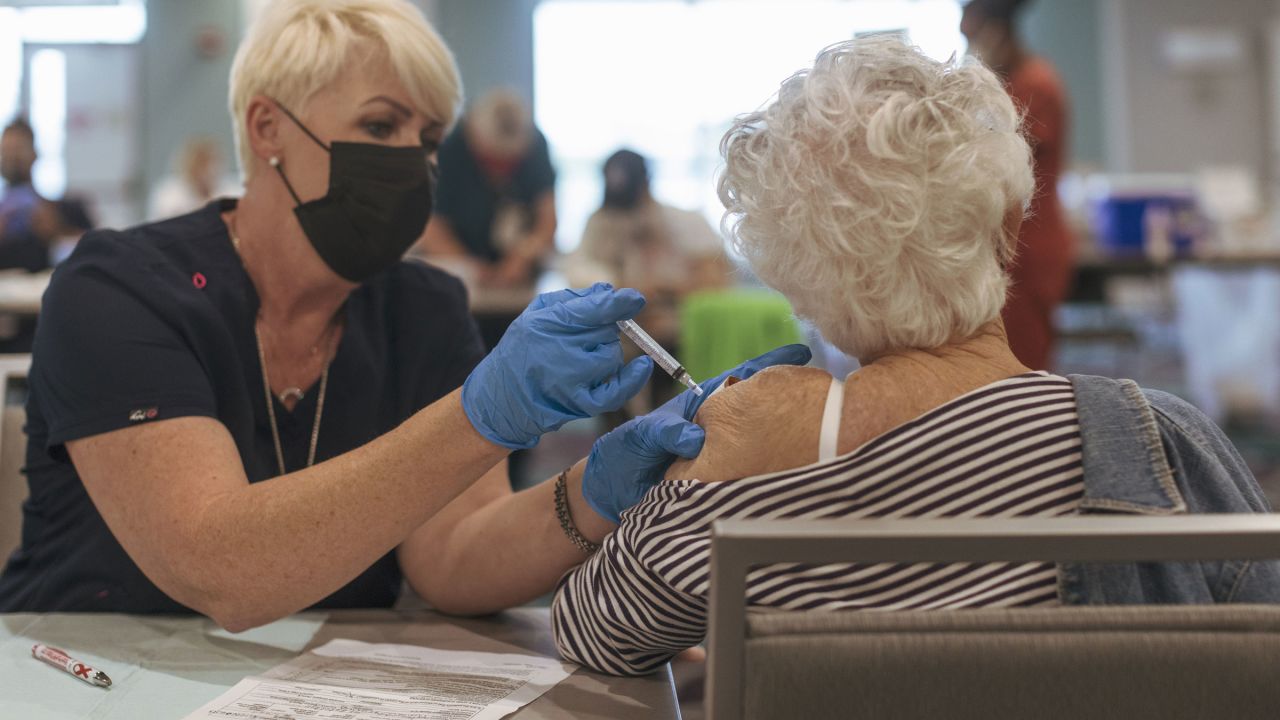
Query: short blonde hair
x,y
874,193
297,47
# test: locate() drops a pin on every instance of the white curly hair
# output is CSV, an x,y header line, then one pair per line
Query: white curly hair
x,y
876,192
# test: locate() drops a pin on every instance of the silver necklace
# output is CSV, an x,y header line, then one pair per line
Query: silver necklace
x,y
291,391
271,409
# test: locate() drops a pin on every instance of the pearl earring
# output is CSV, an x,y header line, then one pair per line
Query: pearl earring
x,y
274,161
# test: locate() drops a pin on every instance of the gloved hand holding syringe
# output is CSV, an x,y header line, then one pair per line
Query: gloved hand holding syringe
x,y
660,356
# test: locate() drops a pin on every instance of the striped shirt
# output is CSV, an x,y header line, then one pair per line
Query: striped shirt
x,y
1008,449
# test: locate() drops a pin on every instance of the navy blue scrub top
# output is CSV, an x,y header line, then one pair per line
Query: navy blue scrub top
x,y
156,322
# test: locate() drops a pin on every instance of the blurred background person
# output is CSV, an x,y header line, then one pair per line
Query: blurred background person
x,y
635,241
19,201
59,224
198,177
495,208
30,250
1042,272
53,229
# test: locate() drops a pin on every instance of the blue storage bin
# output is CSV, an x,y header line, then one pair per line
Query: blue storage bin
x,y
1120,222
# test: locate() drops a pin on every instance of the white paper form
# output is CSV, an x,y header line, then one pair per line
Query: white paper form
x,y
352,680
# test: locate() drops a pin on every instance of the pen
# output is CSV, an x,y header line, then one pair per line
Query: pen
x,y
62,661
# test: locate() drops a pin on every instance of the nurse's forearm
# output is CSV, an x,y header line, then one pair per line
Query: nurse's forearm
x,y
246,554
361,505
504,554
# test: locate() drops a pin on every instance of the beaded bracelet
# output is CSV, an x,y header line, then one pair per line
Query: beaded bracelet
x,y
566,520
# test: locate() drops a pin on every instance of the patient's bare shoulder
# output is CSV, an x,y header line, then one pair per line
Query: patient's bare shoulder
x,y
766,423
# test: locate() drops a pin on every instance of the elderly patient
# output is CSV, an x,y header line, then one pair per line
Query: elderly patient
x,y
882,193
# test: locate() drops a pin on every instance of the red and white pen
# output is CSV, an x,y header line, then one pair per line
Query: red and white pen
x,y
65,663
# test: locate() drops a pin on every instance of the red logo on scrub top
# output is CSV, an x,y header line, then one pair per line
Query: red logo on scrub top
x,y
199,281
142,414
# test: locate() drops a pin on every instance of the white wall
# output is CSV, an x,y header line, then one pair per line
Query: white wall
x,y
1161,120
1067,33
491,39
184,91
1145,117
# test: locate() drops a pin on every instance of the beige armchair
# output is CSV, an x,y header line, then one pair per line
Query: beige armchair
x,y
1074,663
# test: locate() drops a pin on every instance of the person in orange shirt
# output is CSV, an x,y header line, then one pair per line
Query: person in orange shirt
x,y
1042,271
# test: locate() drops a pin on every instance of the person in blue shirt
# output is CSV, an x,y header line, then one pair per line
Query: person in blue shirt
x,y
17,157
259,407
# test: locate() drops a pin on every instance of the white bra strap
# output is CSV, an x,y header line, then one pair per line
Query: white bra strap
x,y
831,421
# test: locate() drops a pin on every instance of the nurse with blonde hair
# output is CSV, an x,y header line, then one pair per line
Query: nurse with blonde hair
x,y
258,407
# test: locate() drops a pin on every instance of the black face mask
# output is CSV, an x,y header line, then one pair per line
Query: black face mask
x,y
378,204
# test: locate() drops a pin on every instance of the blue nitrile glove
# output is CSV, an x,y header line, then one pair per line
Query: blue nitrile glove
x,y
559,361
629,460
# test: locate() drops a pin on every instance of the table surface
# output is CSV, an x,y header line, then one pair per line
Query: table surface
x,y
21,292
167,667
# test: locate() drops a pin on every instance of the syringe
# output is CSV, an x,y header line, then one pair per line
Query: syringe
x,y
663,358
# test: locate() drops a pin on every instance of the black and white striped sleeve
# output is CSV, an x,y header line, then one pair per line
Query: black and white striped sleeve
x,y
619,612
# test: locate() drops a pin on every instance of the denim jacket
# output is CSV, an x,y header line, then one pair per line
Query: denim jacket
x,y
1149,453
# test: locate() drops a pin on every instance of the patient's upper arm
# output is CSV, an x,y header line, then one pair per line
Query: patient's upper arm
x,y
767,423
